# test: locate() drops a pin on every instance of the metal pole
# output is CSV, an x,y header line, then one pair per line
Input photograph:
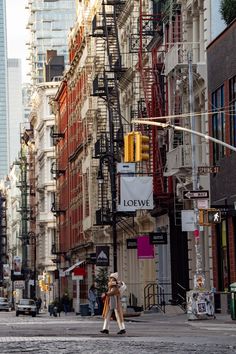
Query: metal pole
x,y
176,127
114,221
198,255
35,255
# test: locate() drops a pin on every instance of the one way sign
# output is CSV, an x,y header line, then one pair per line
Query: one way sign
x,y
202,194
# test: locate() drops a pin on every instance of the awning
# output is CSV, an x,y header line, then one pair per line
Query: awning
x,y
67,271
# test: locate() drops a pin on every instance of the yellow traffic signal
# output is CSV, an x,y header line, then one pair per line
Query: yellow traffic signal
x,y
129,147
141,147
41,283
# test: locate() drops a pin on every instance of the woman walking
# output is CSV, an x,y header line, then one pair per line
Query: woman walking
x,y
113,303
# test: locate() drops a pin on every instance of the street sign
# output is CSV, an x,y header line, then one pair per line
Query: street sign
x,y
203,170
203,203
202,194
187,220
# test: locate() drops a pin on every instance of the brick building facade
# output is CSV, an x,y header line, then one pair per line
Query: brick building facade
x,y
221,54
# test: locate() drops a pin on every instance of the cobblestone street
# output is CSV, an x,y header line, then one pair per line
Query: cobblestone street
x,y
147,334
108,345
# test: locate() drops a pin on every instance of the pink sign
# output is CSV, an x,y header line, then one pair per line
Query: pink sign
x,y
145,249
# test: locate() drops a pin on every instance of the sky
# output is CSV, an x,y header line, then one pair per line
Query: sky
x,y
17,34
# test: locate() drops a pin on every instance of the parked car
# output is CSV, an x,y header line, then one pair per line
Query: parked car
x,y
26,307
4,304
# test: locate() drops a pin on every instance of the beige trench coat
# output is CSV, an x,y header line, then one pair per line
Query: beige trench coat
x,y
113,290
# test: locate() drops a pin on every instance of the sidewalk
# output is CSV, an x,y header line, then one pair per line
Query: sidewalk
x,y
149,318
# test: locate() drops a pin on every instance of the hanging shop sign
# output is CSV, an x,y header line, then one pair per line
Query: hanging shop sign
x,y
17,264
19,284
6,271
102,256
136,193
131,243
158,238
145,249
126,167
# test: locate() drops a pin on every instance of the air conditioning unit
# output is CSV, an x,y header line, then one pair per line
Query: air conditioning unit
x,y
180,159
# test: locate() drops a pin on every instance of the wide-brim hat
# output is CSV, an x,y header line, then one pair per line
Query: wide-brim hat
x,y
114,275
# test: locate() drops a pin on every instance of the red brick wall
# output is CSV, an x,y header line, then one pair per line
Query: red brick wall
x,y
231,245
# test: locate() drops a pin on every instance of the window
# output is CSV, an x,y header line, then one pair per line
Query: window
x,y
218,123
232,110
86,193
223,261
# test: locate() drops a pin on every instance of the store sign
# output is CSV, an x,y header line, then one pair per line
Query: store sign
x,y
6,271
145,249
158,238
19,284
17,263
126,167
102,256
136,193
131,243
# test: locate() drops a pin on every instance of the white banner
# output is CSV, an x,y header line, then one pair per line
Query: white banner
x,y
136,193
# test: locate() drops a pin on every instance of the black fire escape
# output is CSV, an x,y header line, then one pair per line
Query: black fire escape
x,y
110,135
3,236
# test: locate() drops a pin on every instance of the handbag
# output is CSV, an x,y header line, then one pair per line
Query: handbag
x,y
122,288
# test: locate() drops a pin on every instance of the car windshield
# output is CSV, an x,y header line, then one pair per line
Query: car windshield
x,y
26,302
3,299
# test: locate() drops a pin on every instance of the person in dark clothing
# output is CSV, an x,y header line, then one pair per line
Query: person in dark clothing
x,y
92,297
65,303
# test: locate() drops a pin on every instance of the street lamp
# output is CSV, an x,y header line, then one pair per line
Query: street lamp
x,y
100,177
32,237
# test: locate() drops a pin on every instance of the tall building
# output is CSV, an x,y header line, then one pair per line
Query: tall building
x,y
15,106
4,153
49,24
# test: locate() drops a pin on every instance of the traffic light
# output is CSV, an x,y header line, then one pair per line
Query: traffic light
x,y
41,283
213,216
141,147
209,216
129,147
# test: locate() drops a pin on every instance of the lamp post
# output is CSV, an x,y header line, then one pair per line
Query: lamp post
x,y
100,177
32,237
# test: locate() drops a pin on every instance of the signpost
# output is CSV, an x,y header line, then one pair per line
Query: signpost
x,y
201,194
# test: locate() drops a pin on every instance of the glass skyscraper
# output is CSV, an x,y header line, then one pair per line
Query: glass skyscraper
x,y
49,24
4,134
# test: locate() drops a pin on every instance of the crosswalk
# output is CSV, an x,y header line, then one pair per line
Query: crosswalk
x,y
223,327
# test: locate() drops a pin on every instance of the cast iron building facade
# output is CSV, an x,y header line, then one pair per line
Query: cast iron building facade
x,y
222,101
4,154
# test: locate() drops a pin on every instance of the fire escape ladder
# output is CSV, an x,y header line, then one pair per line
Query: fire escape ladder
x,y
56,208
153,92
3,236
115,69
105,87
158,152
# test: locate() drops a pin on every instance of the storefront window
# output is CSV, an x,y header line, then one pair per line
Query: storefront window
x,y
223,268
